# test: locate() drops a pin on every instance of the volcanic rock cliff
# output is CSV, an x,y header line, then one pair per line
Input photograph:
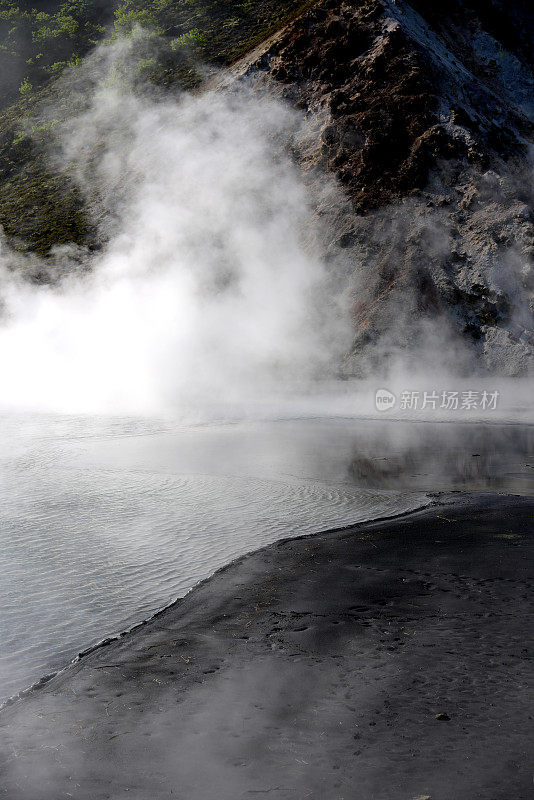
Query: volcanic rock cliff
x,y
424,113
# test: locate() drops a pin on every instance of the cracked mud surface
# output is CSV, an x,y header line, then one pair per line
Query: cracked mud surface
x,y
390,660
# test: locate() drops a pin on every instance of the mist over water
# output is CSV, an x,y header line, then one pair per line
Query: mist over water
x,y
105,520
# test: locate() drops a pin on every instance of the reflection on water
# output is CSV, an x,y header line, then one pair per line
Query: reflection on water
x,y
105,521
445,456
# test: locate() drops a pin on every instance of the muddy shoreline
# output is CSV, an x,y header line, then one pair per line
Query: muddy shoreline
x,y
388,660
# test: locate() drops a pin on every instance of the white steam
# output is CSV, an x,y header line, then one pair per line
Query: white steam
x,y
208,288
223,281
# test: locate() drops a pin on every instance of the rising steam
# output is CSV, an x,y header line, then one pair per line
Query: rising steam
x,y
208,288
221,280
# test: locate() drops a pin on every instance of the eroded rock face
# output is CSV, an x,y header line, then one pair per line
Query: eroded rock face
x,y
423,112
357,68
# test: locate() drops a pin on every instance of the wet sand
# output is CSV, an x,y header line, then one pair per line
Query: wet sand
x,y
388,660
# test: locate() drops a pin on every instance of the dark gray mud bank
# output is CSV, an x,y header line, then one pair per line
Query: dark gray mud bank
x,y
389,660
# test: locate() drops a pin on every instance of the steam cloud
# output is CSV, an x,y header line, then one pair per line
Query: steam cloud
x,y
220,280
208,288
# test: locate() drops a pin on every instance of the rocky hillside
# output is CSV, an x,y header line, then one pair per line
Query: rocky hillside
x,y
423,112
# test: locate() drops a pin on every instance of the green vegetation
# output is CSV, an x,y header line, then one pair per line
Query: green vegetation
x,y
187,41
39,206
25,87
220,30
35,42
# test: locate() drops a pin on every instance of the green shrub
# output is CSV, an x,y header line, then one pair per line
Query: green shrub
x,y
128,18
25,87
190,40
